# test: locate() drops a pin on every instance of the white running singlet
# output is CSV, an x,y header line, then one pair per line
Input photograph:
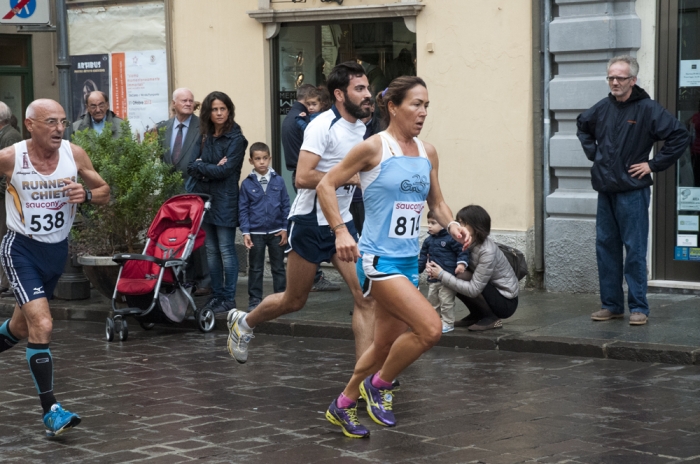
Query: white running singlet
x,y
36,207
331,138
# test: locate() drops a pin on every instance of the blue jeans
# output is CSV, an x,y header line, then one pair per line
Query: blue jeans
x,y
222,260
256,258
623,219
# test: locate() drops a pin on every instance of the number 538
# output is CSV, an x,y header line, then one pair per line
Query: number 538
x,y
47,222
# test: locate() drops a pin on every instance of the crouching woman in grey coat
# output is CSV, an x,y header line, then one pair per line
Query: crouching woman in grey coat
x,y
489,287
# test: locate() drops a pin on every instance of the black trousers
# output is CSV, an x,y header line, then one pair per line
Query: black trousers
x,y
490,304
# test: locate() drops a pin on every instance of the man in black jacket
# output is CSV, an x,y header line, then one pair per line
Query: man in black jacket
x,y
617,134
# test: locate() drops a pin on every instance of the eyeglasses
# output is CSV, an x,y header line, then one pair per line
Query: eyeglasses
x,y
100,106
619,79
55,122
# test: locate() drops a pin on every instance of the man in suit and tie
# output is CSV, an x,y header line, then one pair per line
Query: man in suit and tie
x,y
180,138
181,131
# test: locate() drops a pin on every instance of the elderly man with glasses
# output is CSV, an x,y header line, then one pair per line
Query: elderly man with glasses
x,y
43,194
617,134
98,113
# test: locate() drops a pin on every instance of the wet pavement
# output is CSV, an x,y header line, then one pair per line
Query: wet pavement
x,y
174,395
550,323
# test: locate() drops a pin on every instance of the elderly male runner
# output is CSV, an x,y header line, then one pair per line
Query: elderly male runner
x,y
41,201
327,140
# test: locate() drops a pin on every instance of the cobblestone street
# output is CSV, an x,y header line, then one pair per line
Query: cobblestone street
x,y
174,396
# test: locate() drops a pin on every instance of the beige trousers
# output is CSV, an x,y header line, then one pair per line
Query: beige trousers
x,y
443,300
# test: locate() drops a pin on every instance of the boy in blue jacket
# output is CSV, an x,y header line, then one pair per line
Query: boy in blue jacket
x,y
441,248
263,208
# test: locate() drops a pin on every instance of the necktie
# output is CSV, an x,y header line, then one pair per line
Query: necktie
x,y
177,146
263,182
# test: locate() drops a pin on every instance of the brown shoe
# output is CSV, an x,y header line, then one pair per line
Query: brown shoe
x,y
638,319
605,315
202,291
486,325
471,319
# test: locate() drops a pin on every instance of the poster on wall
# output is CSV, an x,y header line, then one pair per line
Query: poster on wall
x,y
689,73
88,74
140,88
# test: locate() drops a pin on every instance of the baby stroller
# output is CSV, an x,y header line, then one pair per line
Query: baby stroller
x,y
153,284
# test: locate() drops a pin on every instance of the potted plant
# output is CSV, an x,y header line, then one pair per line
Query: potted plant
x,y
140,182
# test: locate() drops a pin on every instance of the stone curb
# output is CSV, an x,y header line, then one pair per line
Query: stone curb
x,y
521,343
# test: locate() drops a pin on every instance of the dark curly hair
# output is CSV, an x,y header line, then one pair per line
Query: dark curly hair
x,y
340,75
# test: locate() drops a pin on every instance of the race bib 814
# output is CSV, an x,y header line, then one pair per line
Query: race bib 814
x,y
405,219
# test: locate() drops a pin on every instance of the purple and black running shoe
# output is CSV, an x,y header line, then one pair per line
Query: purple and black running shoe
x,y
379,403
346,418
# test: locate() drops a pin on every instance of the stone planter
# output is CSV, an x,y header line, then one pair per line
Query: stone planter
x,y
102,273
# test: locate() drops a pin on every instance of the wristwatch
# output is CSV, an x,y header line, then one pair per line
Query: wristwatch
x,y
88,195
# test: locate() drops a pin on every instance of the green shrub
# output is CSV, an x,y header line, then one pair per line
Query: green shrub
x,y
140,182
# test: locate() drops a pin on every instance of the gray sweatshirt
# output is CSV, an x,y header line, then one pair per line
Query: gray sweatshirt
x,y
489,265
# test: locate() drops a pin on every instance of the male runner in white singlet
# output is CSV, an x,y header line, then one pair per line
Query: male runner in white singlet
x,y
327,140
41,201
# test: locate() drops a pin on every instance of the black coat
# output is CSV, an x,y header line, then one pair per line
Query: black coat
x,y
615,135
292,136
221,182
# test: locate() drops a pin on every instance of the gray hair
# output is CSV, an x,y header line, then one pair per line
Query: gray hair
x,y
5,114
630,60
182,89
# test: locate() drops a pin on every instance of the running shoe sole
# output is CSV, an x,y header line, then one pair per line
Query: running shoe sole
x,y
331,418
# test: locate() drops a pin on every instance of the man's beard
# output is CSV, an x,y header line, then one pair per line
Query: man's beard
x,y
356,111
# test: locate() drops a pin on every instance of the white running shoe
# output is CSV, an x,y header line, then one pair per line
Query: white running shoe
x,y
238,338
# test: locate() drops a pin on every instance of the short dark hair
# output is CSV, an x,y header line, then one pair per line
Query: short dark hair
x,y
104,95
478,219
205,125
340,75
396,93
303,91
431,215
259,146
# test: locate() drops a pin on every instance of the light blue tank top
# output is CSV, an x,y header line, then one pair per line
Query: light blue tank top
x,y
394,195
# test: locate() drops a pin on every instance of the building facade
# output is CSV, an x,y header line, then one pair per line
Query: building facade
x,y
506,80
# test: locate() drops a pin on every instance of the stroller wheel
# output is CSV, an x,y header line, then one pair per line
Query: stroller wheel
x,y
109,329
147,325
205,320
123,330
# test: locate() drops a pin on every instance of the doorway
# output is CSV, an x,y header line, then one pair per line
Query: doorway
x,y
16,83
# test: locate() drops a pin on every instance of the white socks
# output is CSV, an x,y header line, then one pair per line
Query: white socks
x,y
244,325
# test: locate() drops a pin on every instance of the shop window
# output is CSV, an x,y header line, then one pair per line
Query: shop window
x,y
305,54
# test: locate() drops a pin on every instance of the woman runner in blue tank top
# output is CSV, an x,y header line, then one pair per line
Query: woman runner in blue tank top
x,y
398,174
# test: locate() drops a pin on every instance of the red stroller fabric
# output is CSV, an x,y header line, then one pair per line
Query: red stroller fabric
x,y
176,220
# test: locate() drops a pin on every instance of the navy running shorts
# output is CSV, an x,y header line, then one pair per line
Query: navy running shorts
x,y
314,243
33,268
372,267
